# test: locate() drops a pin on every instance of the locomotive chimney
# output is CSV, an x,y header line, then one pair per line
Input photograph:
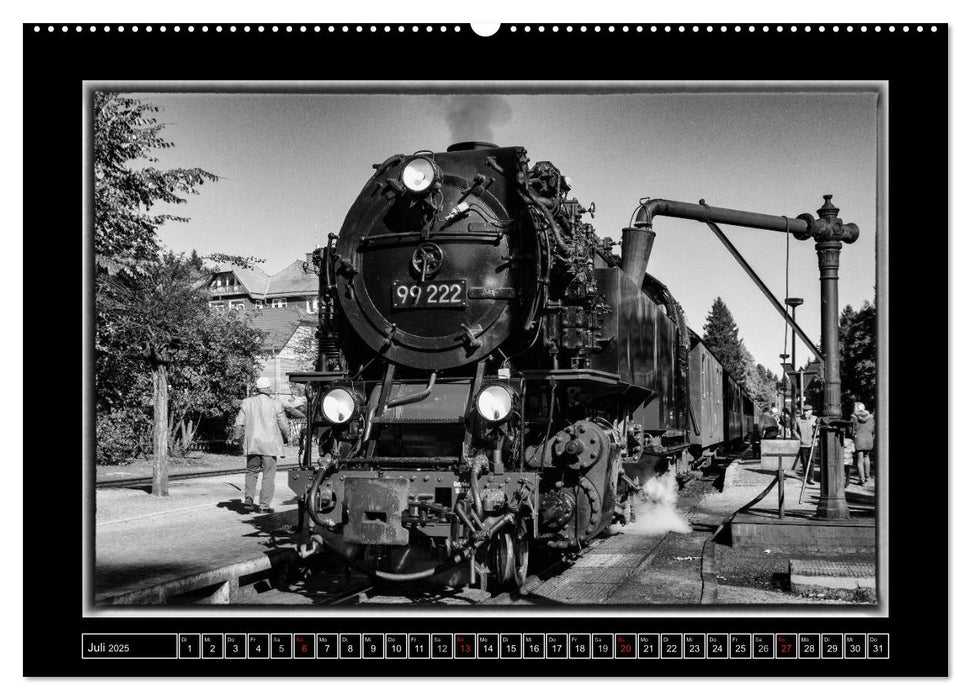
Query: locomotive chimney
x,y
471,146
635,252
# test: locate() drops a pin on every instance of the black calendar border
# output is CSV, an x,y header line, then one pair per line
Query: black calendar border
x,y
916,66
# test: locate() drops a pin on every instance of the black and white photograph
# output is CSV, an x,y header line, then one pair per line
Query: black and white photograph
x,y
538,345
402,350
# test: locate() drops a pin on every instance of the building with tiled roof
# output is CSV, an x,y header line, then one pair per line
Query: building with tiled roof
x,y
283,306
289,345
280,325
251,289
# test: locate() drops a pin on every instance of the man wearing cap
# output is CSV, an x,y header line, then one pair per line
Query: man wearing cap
x,y
806,430
262,424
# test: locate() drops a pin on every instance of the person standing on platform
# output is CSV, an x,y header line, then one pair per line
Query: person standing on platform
x,y
262,423
769,424
768,429
806,429
862,430
786,424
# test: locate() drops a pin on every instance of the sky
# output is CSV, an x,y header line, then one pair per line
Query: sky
x,y
291,165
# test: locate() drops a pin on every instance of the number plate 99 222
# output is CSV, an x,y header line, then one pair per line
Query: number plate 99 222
x,y
440,294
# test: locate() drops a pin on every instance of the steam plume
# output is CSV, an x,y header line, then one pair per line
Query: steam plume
x,y
655,509
473,117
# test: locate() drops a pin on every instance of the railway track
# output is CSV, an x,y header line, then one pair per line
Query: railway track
x,y
351,596
396,594
147,480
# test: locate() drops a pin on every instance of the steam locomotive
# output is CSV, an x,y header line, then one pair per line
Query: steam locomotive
x,y
491,378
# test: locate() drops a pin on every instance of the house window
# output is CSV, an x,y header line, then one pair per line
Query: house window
x,y
216,305
238,305
312,305
279,303
258,304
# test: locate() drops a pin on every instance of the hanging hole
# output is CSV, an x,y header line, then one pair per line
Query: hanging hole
x,y
485,28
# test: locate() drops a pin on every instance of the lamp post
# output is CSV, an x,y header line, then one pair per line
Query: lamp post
x,y
792,303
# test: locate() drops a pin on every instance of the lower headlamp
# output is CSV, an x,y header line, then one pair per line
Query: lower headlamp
x,y
494,403
338,406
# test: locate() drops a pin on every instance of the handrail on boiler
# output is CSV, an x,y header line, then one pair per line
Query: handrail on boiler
x,y
416,397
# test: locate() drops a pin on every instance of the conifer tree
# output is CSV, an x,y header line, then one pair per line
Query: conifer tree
x,y
721,337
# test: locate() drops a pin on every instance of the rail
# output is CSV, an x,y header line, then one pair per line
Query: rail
x,y
147,480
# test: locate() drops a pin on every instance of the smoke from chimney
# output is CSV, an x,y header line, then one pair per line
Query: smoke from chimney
x,y
473,117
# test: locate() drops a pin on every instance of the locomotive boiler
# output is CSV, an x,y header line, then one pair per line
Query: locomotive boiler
x,y
491,378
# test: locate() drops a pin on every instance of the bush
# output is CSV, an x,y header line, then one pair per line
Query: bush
x,y
122,436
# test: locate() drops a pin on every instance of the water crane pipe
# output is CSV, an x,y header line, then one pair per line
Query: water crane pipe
x,y
802,227
830,233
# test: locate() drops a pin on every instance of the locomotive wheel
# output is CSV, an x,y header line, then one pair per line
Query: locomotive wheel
x,y
521,554
510,557
503,562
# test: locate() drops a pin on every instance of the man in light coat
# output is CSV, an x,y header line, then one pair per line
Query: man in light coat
x,y
262,424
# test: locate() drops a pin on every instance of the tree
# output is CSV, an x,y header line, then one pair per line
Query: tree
x,y
151,313
721,337
858,359
127,187
305,347
161,325
209,373
762,385
125,134
858,354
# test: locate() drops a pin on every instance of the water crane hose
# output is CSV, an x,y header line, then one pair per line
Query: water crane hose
x,y
709,584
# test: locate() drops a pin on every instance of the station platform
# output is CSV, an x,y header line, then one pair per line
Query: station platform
x,y
143,540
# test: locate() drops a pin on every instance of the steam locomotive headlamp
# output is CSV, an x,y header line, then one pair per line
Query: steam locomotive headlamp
x,y
338,406
418,175
494,403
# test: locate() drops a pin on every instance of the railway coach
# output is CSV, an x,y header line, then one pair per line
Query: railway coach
x,y
722,414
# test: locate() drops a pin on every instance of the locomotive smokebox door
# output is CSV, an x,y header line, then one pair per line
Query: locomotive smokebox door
x,y
432,276
374,508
